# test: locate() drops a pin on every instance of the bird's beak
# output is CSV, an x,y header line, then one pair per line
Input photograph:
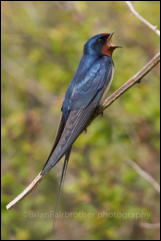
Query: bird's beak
x,y
109,41
109,38
118,47
110,35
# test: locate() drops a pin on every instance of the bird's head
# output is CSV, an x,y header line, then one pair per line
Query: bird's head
x,y
100,44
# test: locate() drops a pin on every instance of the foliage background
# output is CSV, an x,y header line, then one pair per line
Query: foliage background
x,y
41,46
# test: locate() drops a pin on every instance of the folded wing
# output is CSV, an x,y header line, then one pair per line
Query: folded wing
x,y
80,102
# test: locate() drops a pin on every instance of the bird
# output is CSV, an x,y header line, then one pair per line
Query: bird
x,y
86,90
88,87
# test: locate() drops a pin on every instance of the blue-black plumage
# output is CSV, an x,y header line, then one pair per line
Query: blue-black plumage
x,y
92,78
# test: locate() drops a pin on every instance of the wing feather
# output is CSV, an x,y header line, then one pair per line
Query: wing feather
x,y
58,135
76,123
81,99
87,84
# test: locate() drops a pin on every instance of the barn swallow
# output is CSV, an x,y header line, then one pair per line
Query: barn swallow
x,y
86,90
88,86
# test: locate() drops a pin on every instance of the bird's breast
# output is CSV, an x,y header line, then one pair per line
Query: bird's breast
x,y
107,86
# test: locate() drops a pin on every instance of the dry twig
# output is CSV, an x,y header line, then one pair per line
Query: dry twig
x,y
152,27
150,225
144,174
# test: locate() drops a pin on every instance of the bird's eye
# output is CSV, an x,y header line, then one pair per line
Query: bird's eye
x,y
103,39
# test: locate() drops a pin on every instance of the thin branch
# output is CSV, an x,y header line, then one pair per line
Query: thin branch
x,y
144,174
26,191
132,81
152,27
140,171
150,225
109,100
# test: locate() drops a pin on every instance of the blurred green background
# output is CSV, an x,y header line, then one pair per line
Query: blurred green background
x,y
103,197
